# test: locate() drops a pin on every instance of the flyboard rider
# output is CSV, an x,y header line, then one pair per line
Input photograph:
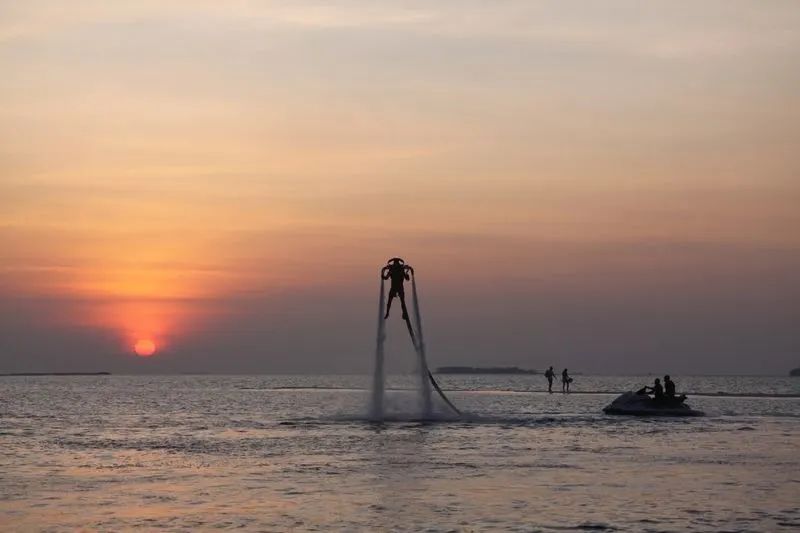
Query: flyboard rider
x,y
397,271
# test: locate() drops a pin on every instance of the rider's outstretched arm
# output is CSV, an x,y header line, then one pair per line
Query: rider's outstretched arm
x,y
385,272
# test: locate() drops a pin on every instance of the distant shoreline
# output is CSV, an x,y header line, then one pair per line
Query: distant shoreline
x,y
56,374
483,370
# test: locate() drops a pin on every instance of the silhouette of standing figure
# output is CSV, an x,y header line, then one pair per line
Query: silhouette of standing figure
x,y
550,374
397,271
565,381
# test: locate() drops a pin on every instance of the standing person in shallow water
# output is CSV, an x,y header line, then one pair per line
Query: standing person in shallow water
x,y
397,271
550,374
565,381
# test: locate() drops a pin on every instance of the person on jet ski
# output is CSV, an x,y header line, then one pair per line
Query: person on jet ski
x,y
669,391
669,387
397,271
657,390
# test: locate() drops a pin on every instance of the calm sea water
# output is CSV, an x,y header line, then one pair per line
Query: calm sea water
x,y
276,453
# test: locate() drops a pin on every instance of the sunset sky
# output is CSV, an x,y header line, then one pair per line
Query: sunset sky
x,y
608,186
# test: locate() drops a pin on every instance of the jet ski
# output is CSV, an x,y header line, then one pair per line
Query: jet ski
x,y
635,404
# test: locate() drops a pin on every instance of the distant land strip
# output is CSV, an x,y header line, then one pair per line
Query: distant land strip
x,y
483,370
56,374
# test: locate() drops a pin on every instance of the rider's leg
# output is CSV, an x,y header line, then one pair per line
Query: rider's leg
x,y
389,304
403,304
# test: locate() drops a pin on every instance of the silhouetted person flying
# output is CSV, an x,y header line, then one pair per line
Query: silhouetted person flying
x,y
396,271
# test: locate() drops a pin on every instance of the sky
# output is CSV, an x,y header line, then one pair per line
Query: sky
x,y
607,186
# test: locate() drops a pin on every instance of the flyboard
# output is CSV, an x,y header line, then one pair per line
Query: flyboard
x,y
417,340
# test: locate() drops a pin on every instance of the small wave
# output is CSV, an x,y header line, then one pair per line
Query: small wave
x,y
728,413
587,526
397,418
310,388
463,419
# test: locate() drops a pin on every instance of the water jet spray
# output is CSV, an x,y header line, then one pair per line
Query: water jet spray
x,y
398,271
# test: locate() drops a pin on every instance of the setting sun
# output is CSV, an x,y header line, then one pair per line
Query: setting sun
x,y
145,348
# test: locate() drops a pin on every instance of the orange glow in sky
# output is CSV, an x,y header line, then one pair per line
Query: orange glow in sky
x,y
163,164
145,348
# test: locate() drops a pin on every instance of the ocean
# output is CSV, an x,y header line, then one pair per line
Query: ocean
x,y
298,453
